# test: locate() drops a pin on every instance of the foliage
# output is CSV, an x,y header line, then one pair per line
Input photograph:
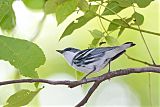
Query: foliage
x,y
21,98
22,54
7,16
27,56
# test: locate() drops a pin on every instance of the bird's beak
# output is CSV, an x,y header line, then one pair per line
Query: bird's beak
x,y
60,51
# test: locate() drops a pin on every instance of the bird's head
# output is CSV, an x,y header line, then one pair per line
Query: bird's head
x,y
69,53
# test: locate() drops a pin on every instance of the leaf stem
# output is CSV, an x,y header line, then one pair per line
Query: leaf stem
x,y
129,27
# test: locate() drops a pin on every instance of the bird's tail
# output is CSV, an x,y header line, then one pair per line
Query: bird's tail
x,y
127,45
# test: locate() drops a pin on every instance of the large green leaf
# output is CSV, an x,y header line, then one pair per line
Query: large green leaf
x,y
64,9
81,21
21,98
124,3
112,8
34,4
7,16
139,18
22,54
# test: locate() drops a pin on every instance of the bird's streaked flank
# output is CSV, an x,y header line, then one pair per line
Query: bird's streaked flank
x,y
94,59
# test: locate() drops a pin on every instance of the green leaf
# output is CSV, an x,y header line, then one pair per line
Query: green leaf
x,y
123,28
22,54
111,40
139,18
116,23
121,31
143,3
81,21
123,3
7,15
64,9
112,8
34,4
51,5
95,41
83,5
97,34
21,98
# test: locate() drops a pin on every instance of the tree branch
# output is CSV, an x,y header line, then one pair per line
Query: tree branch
x,y
90,92
96,80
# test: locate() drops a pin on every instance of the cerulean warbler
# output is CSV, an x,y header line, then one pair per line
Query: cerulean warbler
x,y
94,59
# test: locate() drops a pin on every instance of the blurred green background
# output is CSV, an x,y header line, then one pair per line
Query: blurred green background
x,y
127,91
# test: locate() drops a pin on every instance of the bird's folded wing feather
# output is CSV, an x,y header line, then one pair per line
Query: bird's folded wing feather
x,y
88,56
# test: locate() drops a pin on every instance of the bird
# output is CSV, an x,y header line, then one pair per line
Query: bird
x,y
93,59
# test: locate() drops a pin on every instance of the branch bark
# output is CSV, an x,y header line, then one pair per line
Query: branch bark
x,y
96,80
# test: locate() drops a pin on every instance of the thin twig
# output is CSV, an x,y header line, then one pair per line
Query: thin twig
x,y
140,61
144,41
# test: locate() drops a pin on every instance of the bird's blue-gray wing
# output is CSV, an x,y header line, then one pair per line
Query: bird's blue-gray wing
x,y
88,56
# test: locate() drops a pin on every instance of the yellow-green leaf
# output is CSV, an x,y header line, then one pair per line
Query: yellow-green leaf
x,y
51,5
64,9
7,15
34,4
83,5
139,18
97,34
116,23
111,40
112,8
81,21
21,98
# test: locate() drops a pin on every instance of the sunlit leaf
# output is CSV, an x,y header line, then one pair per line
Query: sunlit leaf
x,y
64,9
83,5
112,8
81,21
97,34
34,4
22,54
111,40
21,98
139,18
7,15
116,23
